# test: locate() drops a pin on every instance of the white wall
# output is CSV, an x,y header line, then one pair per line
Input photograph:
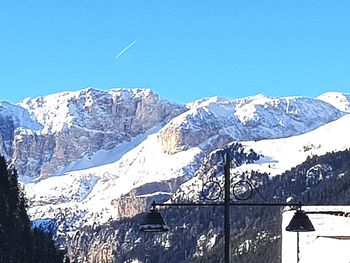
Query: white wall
x,y
317,246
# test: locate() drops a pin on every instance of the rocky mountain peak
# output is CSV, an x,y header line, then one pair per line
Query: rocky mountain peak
x,y
251,118
76,125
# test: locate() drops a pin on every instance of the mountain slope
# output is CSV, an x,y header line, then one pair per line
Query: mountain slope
x,y
280,155
252,118
339,100
91,156
95,189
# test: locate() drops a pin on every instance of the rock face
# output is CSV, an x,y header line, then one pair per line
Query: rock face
x,y
252,118
13,119
46,135
7,129
75,125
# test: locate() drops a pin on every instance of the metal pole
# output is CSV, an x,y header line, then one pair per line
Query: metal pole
x,y
298,250
262,204
227,207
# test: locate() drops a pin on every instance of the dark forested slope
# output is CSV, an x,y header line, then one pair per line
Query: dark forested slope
x,y
19,243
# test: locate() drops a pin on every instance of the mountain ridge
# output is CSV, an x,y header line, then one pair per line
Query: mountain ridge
x,y
104,149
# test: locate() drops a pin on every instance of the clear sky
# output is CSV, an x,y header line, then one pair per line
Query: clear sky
x,y
182,49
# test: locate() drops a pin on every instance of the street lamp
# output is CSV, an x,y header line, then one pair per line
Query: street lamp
x,y
300,222
154,222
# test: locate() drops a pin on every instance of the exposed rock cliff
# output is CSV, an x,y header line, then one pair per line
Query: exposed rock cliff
x,y
75,125
252,118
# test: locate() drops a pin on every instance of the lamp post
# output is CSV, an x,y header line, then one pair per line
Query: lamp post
x,y
227,198
297,229
154,222
298,250
300,223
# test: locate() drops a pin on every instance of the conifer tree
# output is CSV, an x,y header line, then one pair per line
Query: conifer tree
x,y
19,243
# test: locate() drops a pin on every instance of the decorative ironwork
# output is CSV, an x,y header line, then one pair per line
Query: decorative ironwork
x,y
211,191
241,190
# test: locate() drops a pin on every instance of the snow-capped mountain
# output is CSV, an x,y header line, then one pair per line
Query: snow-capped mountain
x,y
75,125
84,156
253,118
339,100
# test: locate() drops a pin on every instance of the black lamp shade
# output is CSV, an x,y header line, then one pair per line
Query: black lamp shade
x,y
153,222
300,223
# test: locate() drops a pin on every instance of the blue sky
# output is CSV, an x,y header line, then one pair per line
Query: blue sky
x,y
182,49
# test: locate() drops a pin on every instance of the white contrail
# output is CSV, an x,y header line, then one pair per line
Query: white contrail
x,y
125,49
